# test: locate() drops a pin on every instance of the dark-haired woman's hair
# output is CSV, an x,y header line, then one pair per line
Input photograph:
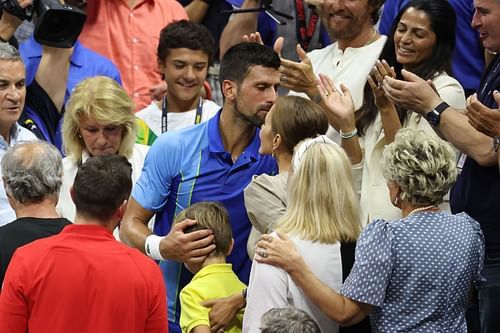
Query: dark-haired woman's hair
x,y
443,20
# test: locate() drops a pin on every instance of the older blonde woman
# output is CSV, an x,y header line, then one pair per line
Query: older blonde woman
x,y
99,120
322,212
412,274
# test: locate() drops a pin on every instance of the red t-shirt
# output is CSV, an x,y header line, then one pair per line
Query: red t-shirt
x,y
82,280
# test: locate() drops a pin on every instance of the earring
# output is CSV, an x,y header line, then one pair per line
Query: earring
x,y
395,201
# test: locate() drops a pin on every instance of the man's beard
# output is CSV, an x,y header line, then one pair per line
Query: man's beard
x,y
252,120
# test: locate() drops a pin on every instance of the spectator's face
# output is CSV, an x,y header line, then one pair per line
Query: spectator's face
x,y
101,138
256,94
346,19
12,91
266,135
185,71
485,20
414,39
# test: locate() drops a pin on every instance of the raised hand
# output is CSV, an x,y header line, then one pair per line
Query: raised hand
x,y
298,76
338,103
482,118
254,37
380,70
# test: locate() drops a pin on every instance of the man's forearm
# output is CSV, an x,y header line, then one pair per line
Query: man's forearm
x,y
133,233
239,25
196,10
455,128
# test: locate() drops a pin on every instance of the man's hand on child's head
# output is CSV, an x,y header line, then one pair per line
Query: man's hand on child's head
x,y
192,247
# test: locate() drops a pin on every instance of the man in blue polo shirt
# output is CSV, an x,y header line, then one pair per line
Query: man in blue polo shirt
x,y
212,161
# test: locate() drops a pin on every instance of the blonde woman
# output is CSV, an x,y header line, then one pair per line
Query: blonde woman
x,y
290,120
411,274
322,212
99,120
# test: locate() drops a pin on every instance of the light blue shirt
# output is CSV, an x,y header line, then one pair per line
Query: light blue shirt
x,y
417,271
18,134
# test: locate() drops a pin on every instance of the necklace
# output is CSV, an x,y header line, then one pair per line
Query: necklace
x,y
420,209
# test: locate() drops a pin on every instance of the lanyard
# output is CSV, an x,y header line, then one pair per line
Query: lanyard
x,y
305,34
164,112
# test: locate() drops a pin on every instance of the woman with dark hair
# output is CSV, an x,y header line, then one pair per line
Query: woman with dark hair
x,y
422,41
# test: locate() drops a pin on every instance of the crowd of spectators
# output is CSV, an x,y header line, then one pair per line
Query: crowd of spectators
x,y
247,166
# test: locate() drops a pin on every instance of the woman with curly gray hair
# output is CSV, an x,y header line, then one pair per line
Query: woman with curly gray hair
x,y
410,274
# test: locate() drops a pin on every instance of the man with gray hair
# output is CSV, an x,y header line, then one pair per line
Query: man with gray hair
x,y
12,97
287,320
32,178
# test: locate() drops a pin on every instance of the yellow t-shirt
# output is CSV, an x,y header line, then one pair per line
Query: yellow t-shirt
x,y
212,281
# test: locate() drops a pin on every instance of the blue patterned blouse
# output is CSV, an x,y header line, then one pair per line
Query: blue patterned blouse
x,y
416,271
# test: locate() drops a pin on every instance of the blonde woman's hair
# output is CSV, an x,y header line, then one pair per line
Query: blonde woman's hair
x,y
103,99
322,204
423,166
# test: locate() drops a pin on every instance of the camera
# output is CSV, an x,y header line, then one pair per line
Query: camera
x,y
57,25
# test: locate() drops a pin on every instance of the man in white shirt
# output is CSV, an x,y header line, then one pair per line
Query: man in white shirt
x,y
12,97
349,60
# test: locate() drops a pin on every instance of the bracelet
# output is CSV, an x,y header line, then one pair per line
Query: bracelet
x,y
152,247
348,135
496,143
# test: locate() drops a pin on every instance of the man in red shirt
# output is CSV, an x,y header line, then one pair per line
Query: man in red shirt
x,y
83,280
127,32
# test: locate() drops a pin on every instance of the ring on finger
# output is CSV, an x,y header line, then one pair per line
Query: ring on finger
x,y
283,77
263,254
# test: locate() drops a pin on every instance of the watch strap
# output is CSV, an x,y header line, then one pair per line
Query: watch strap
x,y
441,107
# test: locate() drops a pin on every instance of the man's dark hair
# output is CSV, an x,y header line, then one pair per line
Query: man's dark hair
x,y
185,34
101,185
240,58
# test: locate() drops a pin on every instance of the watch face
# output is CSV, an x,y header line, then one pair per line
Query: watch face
x,y
433,118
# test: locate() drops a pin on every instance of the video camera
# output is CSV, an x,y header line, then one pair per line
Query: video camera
x,y
57,24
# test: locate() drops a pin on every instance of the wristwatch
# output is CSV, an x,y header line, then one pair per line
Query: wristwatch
x,y
434,117
496,143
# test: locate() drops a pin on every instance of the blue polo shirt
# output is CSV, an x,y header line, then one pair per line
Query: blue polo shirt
x,y
84,63
190,165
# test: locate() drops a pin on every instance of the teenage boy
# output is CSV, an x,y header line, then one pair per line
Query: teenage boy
x,y
185,52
